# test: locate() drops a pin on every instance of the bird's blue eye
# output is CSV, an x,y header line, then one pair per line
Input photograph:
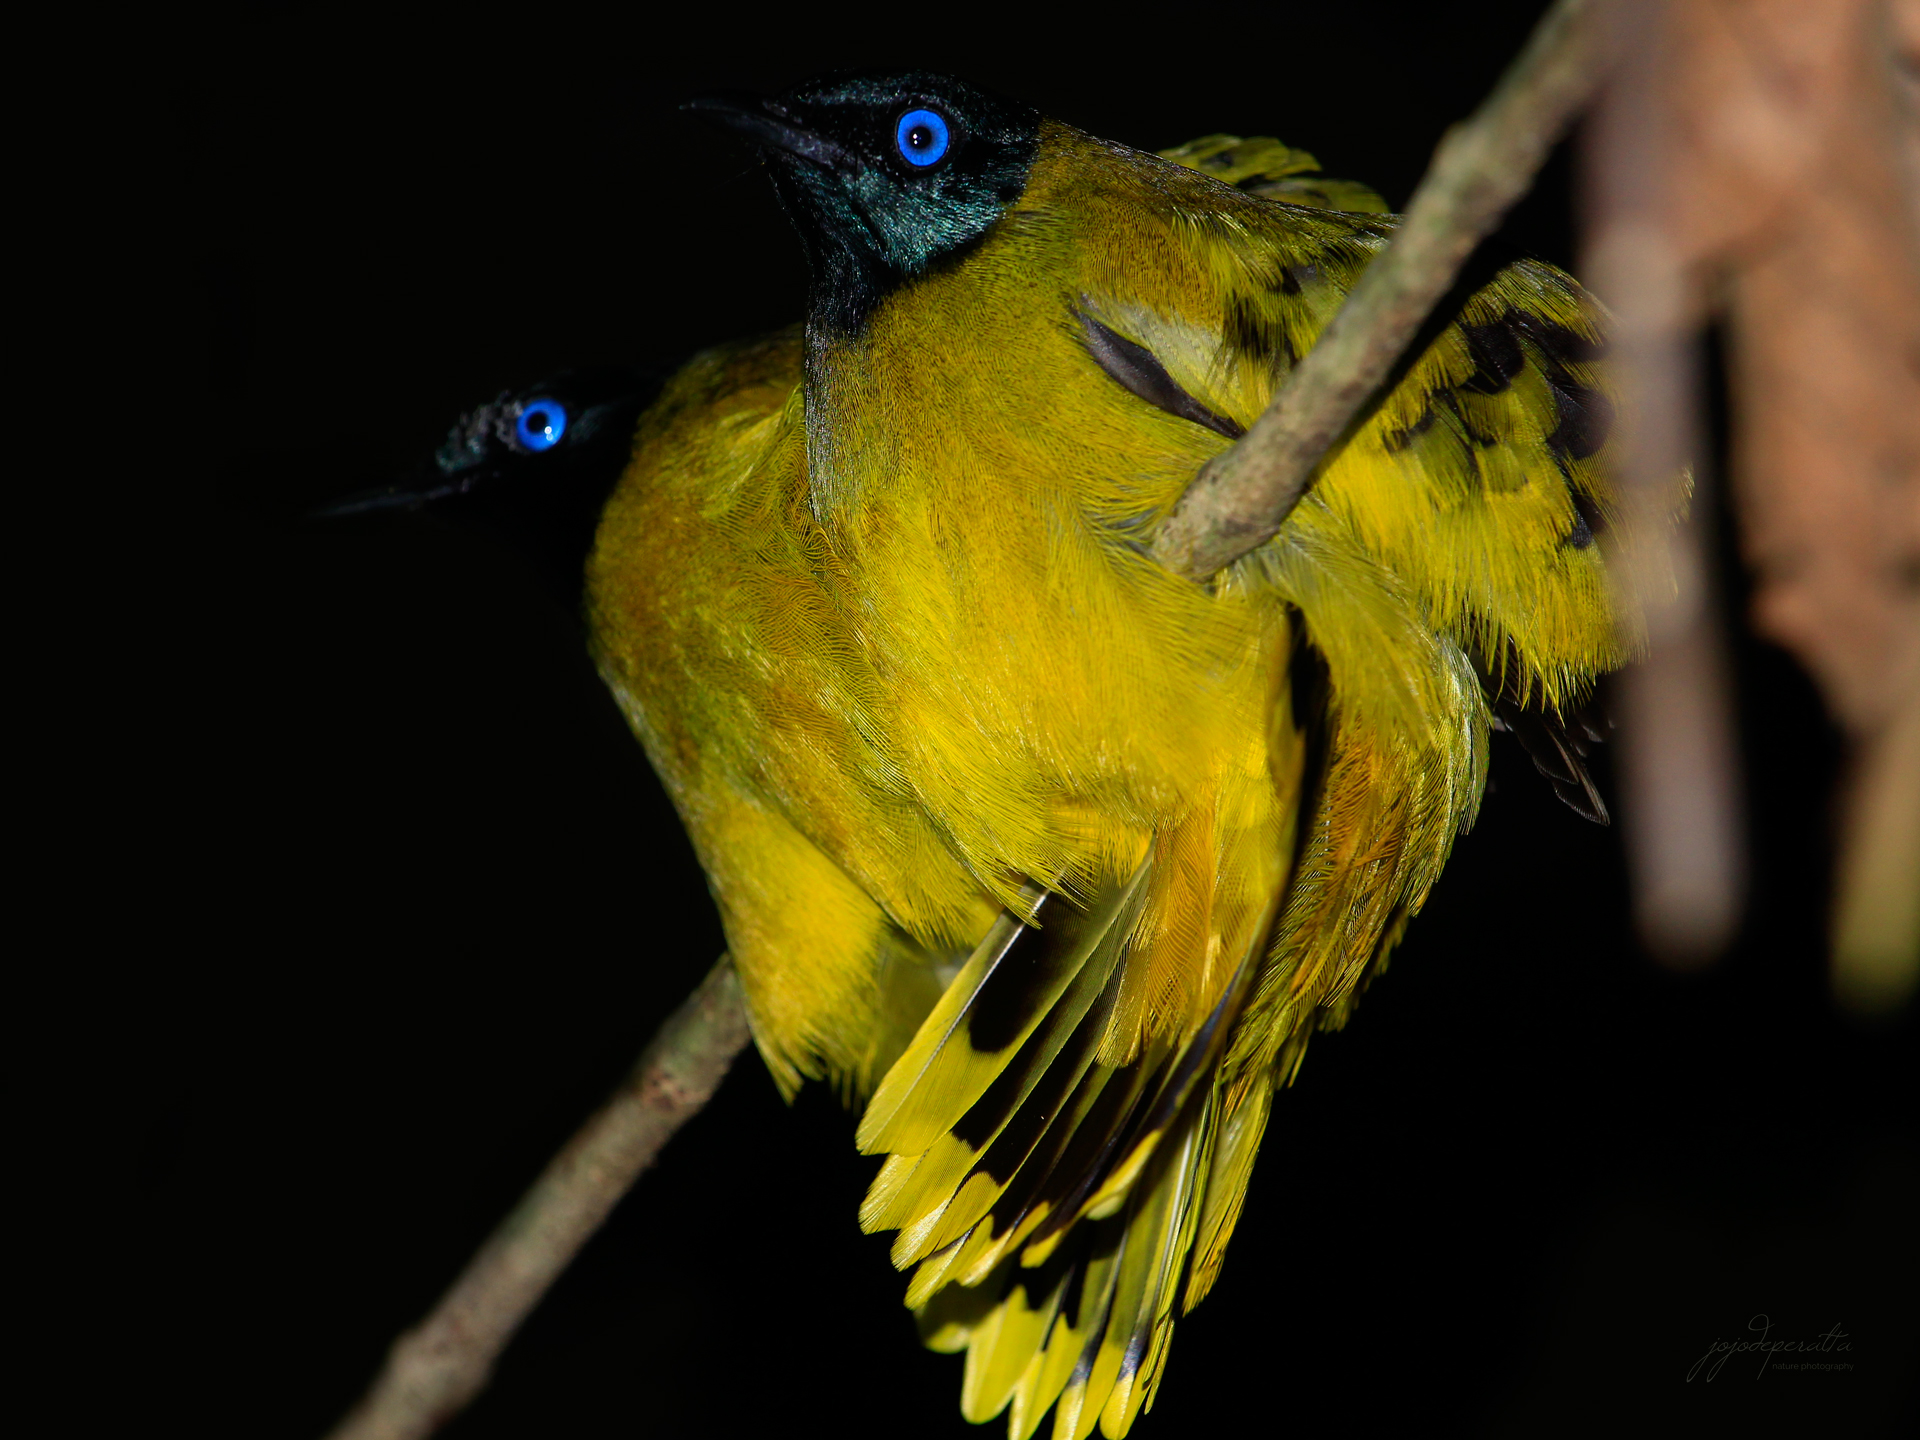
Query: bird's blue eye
x,y
541,424
922,137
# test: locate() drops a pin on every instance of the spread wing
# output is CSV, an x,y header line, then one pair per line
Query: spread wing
x,y
1045,1194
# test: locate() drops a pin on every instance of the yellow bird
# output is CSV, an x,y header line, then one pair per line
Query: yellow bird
x,y
1056,858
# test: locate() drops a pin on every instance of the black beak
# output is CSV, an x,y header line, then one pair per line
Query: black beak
x,y
769,125
415,492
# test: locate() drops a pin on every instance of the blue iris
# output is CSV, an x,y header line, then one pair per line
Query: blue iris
x,y
541,424
922,137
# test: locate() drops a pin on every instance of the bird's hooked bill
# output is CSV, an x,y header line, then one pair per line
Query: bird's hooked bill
x,y
770,125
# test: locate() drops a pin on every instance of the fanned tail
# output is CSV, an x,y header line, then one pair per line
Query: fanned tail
x,y
1053,1200
1088,1329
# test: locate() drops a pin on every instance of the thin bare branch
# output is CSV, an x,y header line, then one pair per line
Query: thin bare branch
x,y
435,1369
1482,166
1678,774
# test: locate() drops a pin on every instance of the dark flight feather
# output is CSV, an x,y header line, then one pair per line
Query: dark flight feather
x,y
1558,746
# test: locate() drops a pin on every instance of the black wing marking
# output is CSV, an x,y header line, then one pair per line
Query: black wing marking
x,y
1138,370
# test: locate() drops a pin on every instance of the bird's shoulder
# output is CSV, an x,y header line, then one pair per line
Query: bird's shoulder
x,y
1475,476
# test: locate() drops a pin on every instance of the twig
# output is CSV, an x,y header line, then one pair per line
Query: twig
x,y
435,1369
1482,166
1678,775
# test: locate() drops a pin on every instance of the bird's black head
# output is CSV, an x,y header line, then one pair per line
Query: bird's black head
x,y
532,466
883,175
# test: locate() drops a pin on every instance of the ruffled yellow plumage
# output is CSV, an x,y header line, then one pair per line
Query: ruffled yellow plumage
x,y
1060,858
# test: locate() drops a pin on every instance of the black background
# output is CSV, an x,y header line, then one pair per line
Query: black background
x,y
394,899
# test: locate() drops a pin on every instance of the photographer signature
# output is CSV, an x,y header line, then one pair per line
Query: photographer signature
x,y
1834,1341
